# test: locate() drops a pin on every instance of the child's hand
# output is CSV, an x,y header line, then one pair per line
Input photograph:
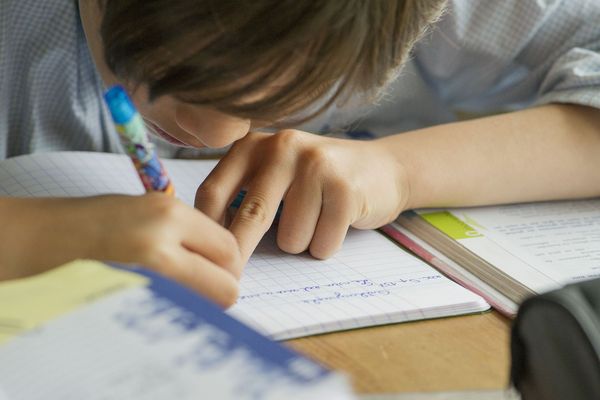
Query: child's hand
x,y
153,230
326,185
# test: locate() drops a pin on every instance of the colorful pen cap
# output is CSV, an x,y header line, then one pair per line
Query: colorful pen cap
x,y
120,105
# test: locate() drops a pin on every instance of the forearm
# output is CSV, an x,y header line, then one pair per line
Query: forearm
x,y
34,235
549,152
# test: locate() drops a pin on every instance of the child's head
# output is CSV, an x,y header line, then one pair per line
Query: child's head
x,y
259,59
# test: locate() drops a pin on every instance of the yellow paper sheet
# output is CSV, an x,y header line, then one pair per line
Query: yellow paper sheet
x,y
29,302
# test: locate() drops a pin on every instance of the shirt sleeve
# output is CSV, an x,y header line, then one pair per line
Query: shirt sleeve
x,y
573,74
493,55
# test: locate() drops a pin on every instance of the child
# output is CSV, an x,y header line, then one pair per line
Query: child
x,y
212,72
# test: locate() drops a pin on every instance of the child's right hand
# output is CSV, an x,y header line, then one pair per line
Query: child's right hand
x,y
154,230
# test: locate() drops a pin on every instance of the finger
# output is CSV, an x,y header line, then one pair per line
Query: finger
x,y
222,185
207,238
258,209
201,276
334,220
301,209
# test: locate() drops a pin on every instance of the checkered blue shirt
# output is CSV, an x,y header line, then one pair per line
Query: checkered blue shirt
x,y
487,56
50,93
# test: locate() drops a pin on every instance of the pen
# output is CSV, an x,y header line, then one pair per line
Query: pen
x,y
134,137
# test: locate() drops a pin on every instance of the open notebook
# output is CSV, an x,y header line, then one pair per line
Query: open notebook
x,y
370,281
508,253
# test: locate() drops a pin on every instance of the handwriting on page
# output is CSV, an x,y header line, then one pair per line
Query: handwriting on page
x,y
365,288
369,281
368,266
563,237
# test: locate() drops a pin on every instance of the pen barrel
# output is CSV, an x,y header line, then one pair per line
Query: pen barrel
x,y
143,155
134,137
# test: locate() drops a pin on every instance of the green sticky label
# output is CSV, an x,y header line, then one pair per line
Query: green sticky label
x,y
450,225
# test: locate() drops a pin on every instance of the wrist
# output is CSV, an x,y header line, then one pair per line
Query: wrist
x,y
401,175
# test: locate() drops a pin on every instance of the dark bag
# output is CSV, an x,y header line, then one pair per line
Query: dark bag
x,y
555,344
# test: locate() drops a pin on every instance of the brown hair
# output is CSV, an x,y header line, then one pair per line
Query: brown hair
x,y
261,58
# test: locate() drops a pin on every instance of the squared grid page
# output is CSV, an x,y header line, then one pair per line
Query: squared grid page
x,y
89,174
370,281
68,174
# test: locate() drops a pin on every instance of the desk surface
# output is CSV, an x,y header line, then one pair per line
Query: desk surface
x,y
459,353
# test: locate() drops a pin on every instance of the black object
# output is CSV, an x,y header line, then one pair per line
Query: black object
x,y
555,344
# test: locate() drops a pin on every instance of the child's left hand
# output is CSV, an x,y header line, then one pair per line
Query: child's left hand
x,y
326,185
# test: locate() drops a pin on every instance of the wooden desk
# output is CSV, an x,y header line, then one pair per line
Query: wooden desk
x,y
459,353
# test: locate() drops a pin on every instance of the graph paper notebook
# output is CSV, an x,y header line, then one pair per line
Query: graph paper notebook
x,y
370,281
